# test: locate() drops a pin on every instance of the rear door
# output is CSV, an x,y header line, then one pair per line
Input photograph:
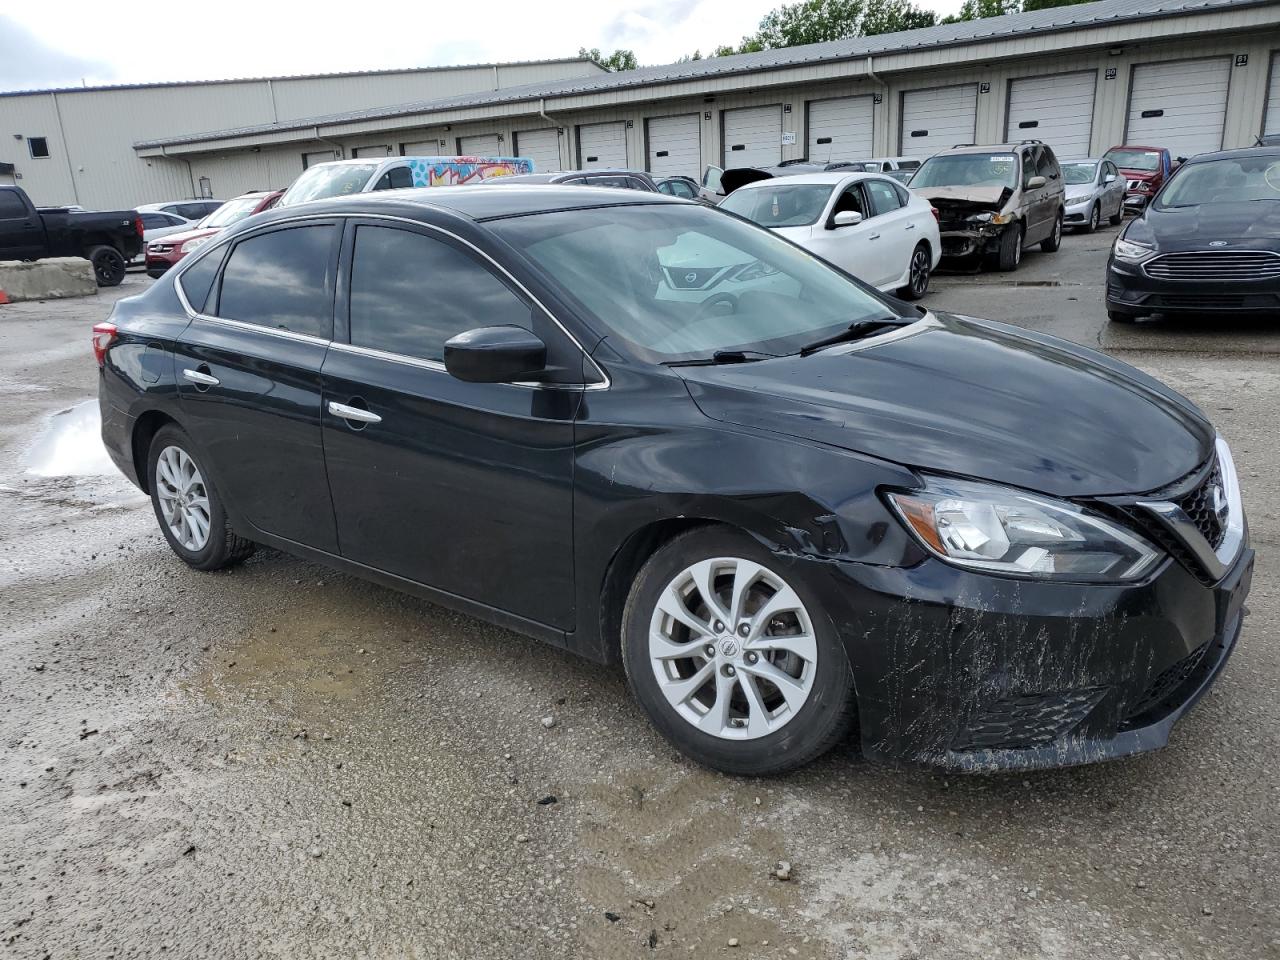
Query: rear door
x,y
1181,105
752,136
21,230
464,487
602,145
249,378
938,119
893,221
674,145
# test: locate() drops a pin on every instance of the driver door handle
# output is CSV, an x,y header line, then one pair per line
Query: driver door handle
x,y
353,413
203,379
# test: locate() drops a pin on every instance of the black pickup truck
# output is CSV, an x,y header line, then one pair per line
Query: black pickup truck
x,y
108,240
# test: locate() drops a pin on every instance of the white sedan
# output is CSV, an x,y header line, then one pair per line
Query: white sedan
x,y
864,223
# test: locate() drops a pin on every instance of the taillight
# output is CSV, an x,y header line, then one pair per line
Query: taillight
x,y
137,225
104,334
936,215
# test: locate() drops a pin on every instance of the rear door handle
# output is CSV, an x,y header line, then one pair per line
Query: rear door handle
x,y
203,379
874,236
911,226
353,413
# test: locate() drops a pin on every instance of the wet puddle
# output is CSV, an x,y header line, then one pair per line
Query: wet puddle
x,y
71,445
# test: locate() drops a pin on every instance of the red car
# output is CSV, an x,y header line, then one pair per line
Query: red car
x,y
1145,169
164,253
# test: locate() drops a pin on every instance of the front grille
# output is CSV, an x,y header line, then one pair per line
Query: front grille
x,y
1167,683
1029,720
1199,505
1213,266
159,247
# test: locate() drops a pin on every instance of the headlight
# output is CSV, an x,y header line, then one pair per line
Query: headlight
x,y
1001,530
1131,252
195,244
996,218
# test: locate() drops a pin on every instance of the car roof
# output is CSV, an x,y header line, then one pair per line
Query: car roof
x,y
1241,152
477,204
1134,146
832,178
988,147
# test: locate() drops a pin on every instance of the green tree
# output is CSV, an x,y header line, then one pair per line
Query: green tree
x,y
981,9
817,21
614,62
1046,4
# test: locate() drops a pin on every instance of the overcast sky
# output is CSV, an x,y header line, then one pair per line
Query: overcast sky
x,y
62,43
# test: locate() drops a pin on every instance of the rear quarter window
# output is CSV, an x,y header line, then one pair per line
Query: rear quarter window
x,y
282,280
197,280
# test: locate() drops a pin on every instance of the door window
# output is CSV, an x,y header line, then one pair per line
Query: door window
x,y
11,206
281,280
884,198
394,179
153,221
1046,164
621,182
410,293
1029,166
850,199
711,178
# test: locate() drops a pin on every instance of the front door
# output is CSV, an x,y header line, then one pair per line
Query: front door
x,y
249,378
21,232
856,248
464,487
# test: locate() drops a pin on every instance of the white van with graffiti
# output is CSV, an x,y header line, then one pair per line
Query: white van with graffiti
x,y
338,178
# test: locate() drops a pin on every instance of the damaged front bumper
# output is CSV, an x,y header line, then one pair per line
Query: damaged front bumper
x,y
967,672
963,240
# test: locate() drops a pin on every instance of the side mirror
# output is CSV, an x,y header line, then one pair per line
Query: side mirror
x,y
845,218
1035,183
1109,178
495,355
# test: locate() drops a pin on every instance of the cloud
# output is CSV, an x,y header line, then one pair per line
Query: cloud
x,y
30,63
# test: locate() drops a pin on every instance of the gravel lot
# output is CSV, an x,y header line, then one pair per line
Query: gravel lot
x,y
284,762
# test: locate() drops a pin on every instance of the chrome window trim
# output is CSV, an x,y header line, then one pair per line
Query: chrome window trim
x,y
605,383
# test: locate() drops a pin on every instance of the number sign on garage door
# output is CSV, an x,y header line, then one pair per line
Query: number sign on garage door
x,y
1180,105
602,145
938,119
1056,109
752,136
840,129
1271,121
674,145
540,146
481,145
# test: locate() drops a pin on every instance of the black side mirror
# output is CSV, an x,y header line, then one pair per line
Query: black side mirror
x,y
495,355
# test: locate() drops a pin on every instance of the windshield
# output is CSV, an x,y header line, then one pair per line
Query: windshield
x,y
1146,160
677,282
781,205
968,170
328,180
231,212
1237,180
1079,172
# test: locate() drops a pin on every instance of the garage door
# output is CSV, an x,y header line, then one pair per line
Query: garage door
x,y
840,129
752,136
540,146
1056,109
602,145
1272,116
422,148
481,145
938,119
675,145
1180,105
376,151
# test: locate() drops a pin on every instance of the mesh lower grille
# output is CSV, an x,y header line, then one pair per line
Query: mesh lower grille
x,y
1166,683
1029,720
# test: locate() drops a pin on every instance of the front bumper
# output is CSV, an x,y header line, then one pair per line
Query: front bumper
x,y
961,241
1131,290
1136,201
967,672
1077,214
160,263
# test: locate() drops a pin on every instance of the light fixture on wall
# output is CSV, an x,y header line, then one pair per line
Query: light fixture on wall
x,y
1115,51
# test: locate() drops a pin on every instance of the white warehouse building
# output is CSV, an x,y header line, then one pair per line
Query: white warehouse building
x,y
1192,75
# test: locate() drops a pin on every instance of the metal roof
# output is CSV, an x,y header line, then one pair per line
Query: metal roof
x,y
1053,19
289,76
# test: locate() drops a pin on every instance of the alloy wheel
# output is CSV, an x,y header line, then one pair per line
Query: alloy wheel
x,y
919,272
184,499
1095,218
733,649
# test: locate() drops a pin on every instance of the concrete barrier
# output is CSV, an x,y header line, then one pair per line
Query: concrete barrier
x,y
46,279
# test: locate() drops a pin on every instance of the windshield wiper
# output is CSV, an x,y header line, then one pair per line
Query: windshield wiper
x,y
855,331
721,357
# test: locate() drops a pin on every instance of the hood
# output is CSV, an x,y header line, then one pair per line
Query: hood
x,y
1131,174
1248,225
979,198
976,399
1078,191
176,238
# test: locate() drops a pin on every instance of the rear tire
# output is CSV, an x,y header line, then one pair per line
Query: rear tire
x,y
187,505
1051,243
1010,254
1118,216
108,266
776,689
920,271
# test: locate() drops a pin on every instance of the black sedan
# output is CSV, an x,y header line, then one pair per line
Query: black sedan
x,y
1209,242
654,434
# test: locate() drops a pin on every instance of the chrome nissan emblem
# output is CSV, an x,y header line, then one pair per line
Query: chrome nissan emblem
x,y
1217,243
690,278
728,647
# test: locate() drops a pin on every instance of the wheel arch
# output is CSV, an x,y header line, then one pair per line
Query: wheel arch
x,y
147,425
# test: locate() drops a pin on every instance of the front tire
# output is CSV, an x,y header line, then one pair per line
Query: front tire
x,y
187,505
918,277
108,266
1095,219
1010,254
734,661
1053,241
